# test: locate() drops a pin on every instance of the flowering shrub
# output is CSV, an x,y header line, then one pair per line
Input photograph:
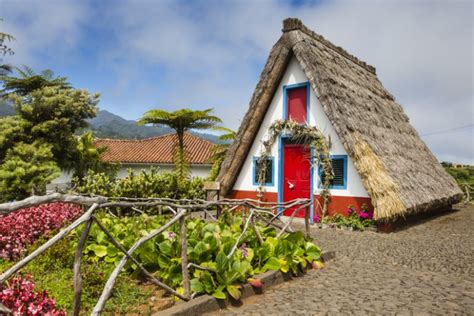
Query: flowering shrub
x,y
23,227
357,219
19,296
363,214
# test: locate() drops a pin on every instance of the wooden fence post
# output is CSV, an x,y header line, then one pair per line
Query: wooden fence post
x,y
212,189
306,221
184,255
77,278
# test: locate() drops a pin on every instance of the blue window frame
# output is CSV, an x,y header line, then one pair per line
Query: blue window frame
x,y
269,164
339,166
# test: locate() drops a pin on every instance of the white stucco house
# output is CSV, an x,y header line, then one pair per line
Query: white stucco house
x,y
151,152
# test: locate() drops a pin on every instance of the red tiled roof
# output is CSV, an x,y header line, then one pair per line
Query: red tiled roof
x,y
155,150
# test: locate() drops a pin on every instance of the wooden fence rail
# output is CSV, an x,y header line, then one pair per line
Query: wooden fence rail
x,y
265,212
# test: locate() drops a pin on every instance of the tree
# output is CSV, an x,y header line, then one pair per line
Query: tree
x,y
52,115
90,157
181,121
40,138
5,50
220,150
27,169
12,131
28,81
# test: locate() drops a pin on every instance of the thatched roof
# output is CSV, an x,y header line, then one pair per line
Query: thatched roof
x,y
398,170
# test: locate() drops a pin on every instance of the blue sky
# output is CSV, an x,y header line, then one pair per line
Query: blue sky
x,y
199,54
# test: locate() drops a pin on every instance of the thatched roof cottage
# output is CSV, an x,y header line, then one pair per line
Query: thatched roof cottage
x,y
378,158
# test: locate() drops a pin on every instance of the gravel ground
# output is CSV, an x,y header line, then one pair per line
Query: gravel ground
x,y
424,269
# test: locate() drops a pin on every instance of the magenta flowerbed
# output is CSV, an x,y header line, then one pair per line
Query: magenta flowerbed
x,y
19,295
22,228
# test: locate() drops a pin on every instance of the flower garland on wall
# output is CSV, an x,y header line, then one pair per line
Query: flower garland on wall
x,y
300,134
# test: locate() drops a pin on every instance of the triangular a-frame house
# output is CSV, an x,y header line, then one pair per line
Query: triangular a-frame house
x,y
378,157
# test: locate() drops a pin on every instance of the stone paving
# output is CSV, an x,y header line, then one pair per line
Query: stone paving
x,y
426,269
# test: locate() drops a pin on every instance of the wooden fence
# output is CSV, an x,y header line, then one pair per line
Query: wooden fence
x,y
252,210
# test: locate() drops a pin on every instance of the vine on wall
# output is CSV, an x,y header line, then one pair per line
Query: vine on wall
x,y
300,134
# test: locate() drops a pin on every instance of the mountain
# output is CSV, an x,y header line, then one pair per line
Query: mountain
x,y
109,125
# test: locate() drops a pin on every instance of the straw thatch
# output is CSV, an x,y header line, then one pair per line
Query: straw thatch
x,y
397,169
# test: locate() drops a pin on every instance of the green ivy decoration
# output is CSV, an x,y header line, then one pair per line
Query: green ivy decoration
x,y
301,134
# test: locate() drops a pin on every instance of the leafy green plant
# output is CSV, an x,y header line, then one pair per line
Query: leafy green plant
x,y
209,245
149,183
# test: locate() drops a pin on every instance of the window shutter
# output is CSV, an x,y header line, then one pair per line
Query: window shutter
x,y
338,167
268,165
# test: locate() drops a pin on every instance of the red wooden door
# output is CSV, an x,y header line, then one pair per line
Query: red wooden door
x,y
297,106
296,174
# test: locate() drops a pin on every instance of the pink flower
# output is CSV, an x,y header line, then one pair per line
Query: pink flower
x,y
364,215
23,227
244,250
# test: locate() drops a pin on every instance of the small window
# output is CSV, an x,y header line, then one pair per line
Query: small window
x,y
263,166
339,166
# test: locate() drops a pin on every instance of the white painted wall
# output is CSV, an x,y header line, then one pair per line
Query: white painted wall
x,y
202,171
294,74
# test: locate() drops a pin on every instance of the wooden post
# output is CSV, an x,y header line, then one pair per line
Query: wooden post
x,y
4,310
212,194
77,278
184,255
306,221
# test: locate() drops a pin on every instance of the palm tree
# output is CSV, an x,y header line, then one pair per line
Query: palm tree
x,y
28,81
89,157
220,150
181,121
5,50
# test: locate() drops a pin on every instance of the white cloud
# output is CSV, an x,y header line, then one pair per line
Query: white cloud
x,y
43,29
210,53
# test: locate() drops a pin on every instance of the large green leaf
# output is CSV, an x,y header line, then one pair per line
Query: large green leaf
x,y
200,248
284,265
165,247
222,262
234,291
100,237
208,281
219,294
272,264
111,250
163,262
296,238
241,266
100,251
196,286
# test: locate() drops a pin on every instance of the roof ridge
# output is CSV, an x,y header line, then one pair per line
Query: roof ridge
x,y
135,140
293,24
151,138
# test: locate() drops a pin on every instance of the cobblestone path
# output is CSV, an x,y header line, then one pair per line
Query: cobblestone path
x,y
425,269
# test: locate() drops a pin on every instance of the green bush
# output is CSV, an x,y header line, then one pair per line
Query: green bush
x,y
145,184
464,175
